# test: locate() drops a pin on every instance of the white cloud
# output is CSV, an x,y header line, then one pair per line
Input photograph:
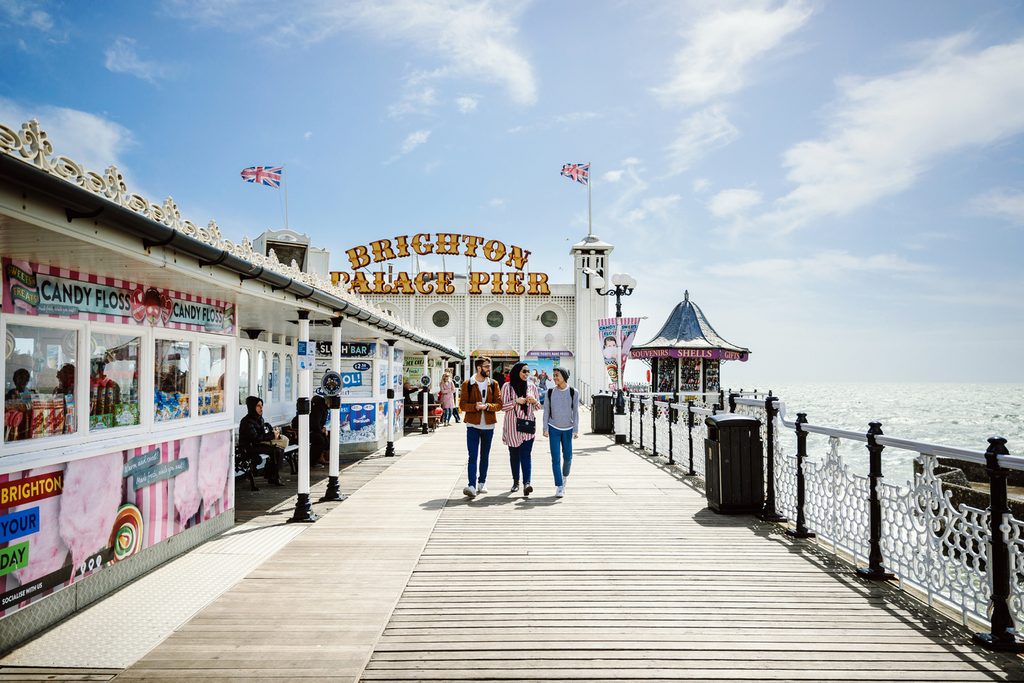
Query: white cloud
x,y
468,39
414,140
420,101
91,140
25,13
566,121
652,207
1001,202
497,203
630,161
723,45
612,176
121,57
701,133
886,132
701,185
825,265
308,135
467,104
733,202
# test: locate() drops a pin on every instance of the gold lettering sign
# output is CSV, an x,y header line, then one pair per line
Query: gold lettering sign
x,y
427,282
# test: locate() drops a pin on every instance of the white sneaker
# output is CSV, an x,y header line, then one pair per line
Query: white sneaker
x,y
559,491
481,488
528,489
469,491
515,487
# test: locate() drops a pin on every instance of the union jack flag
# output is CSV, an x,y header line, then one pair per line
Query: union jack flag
x,y
264,175
578,172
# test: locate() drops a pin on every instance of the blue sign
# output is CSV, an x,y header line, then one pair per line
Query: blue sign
x,y
18,524
361,366
352,379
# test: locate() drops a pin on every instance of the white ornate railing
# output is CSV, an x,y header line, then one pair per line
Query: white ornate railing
x,y
939,550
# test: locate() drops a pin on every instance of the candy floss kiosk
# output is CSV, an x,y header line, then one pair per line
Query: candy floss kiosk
x,y
125,375
687,353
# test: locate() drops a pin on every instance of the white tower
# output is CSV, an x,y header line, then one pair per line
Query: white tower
x,y
590,256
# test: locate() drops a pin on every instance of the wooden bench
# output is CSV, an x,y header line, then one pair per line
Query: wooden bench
x,y
249,467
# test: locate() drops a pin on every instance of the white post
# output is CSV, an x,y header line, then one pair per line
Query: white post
x,y
424,391
619,420
303,509
333,491
389,450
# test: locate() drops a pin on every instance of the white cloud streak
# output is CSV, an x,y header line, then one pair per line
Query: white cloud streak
x,y
414,140
733,202
701,133
28,14
121,57
1003,203
474,40
722,46
886,132
467,104
825,265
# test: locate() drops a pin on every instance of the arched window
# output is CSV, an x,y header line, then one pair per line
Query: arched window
x,y
261,375
288,370
243,375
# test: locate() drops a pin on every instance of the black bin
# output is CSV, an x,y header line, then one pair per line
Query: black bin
x,y
602,418
734,464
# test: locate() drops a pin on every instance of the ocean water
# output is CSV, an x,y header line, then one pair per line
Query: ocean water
x,y
960,415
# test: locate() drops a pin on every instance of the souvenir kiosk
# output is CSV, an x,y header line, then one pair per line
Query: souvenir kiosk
x,y
687,353
132,338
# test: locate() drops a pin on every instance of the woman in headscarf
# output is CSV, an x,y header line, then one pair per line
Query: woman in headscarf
x,y
519,401
256,437
446,391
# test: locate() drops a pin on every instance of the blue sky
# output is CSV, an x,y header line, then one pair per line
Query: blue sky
x,y
839,185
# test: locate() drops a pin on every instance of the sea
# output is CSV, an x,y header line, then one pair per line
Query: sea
x,y
959,415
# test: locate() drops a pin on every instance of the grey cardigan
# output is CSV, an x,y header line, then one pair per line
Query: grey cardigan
x,y
574,399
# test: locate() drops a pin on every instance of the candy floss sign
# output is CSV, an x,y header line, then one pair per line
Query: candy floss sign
x,y
43,290
63,522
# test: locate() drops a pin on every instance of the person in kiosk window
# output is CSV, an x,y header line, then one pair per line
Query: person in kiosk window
x,y
519,400
561,426
479,401
256,436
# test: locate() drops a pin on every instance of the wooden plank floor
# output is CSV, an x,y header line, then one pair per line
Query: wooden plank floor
x,y
630,577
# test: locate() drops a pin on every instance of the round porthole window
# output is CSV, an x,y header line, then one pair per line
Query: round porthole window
x,y
440,318
495,319
548,318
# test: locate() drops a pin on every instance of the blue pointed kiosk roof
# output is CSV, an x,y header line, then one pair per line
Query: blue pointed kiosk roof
x,y
687,328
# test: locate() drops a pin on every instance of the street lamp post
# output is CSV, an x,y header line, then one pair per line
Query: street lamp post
x,y
622,285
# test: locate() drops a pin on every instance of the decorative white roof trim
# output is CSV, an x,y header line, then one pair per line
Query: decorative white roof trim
x,y
32,145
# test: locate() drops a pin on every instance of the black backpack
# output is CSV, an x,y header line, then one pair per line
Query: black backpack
x,y
572,394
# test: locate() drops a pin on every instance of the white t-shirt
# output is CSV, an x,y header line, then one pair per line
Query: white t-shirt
x,y
482,386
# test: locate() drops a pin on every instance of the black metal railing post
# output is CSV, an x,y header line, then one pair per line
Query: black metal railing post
x,y
655,411
801,453
732,402
673,417
768,513
721,399
875,570
641,424
689,431
1003,636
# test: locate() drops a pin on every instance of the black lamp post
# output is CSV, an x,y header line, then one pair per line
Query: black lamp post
x,y
622,285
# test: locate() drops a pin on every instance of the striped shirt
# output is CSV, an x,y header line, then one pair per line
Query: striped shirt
x,y
510,436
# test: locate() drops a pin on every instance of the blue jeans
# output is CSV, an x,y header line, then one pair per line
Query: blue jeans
x,y
478,441
521,458
561,453
446,415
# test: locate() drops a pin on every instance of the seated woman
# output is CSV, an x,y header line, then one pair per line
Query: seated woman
x,y
256,437
319,441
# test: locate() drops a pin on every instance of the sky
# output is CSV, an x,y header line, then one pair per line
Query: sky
x,y
839,185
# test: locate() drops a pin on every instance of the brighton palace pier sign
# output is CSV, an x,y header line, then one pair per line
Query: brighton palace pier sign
x,y
443,244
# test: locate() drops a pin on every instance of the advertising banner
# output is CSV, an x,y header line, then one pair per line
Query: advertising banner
x,y
358,422
609,332
63,522
33,289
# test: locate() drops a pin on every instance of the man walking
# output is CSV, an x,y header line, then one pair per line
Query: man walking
x,y
480,403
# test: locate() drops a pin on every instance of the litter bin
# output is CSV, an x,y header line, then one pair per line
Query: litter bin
x,y
602,418
734,464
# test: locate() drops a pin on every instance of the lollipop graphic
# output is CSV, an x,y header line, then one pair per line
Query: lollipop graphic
x,y
126,537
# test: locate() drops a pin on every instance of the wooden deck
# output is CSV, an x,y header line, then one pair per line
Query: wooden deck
x,y
627,577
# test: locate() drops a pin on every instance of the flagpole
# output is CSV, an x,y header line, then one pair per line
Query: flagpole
x,y
590,225
285,201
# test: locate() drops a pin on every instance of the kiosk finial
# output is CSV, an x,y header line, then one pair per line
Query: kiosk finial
x,y
686,295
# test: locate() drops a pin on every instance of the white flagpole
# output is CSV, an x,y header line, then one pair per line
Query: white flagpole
x,y
285,199
590,180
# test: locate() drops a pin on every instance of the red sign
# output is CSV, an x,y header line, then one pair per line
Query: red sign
x,y
31,489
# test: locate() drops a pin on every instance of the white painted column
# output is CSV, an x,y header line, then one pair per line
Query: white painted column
x,y
303,509
389,450
333,491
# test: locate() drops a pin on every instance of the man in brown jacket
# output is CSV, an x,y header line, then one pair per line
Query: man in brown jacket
x,y
479,402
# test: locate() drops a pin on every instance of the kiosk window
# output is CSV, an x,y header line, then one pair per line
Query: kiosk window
x,y
113,381
39,385
211,369
288,377
171,399
274,381
243,375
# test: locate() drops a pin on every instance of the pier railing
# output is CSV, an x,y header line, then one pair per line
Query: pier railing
x,y
953,555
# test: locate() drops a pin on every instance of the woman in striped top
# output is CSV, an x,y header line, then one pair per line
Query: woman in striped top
x,y
519,400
